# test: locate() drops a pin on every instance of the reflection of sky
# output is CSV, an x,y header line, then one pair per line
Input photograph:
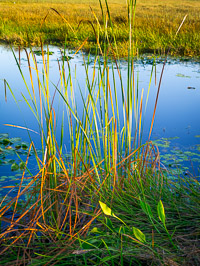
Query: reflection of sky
x,y
178,110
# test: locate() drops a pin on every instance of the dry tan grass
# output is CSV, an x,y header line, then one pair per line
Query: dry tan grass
x,y
155,20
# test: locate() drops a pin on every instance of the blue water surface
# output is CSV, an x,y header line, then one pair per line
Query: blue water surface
x,y
176,127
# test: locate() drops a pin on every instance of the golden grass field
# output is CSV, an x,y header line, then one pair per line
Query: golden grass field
x,y
155,24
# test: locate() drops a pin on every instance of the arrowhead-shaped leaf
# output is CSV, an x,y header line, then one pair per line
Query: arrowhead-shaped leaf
x,y
108,211
105,209
95,230
139,235
161,212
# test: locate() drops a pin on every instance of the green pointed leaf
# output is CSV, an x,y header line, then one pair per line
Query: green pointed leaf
x,y
146,208
105,209
95,230
161,212
108,211
139,235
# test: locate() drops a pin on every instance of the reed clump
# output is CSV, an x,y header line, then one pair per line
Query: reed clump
x,y
107,201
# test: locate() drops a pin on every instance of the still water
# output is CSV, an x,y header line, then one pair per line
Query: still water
x,y
177,122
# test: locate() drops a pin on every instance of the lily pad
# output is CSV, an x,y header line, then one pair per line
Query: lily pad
x,y
182,75
14,167
4,135
12,177
24,146
11,161
22,165
39,52
17,147
14,140
195,159
5,141
66,57
3,178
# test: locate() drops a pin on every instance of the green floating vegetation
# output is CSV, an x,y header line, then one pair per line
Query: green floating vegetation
x,y
24,146
5,141
14,167
182,75
176,158
22,165
161,143
12,147
67,57
3,178
39,52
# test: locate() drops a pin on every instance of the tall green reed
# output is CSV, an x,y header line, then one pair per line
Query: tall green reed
x,y
101,141
105,141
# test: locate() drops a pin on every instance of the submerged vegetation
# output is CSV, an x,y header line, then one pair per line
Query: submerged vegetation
x,y
72,22
106,200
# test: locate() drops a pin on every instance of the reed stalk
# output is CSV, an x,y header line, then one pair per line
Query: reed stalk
x,y
107,163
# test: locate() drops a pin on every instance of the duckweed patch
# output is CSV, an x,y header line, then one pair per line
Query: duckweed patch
x,y
13,147
177,161
39,52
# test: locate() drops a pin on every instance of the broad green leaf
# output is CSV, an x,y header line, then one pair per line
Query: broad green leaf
x,y
139,235
17,147
108,211
5,141
14,167
95,230
22,165
105,209
24,146
161,212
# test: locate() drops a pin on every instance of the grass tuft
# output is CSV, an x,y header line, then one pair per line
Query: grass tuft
x,y
108,202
